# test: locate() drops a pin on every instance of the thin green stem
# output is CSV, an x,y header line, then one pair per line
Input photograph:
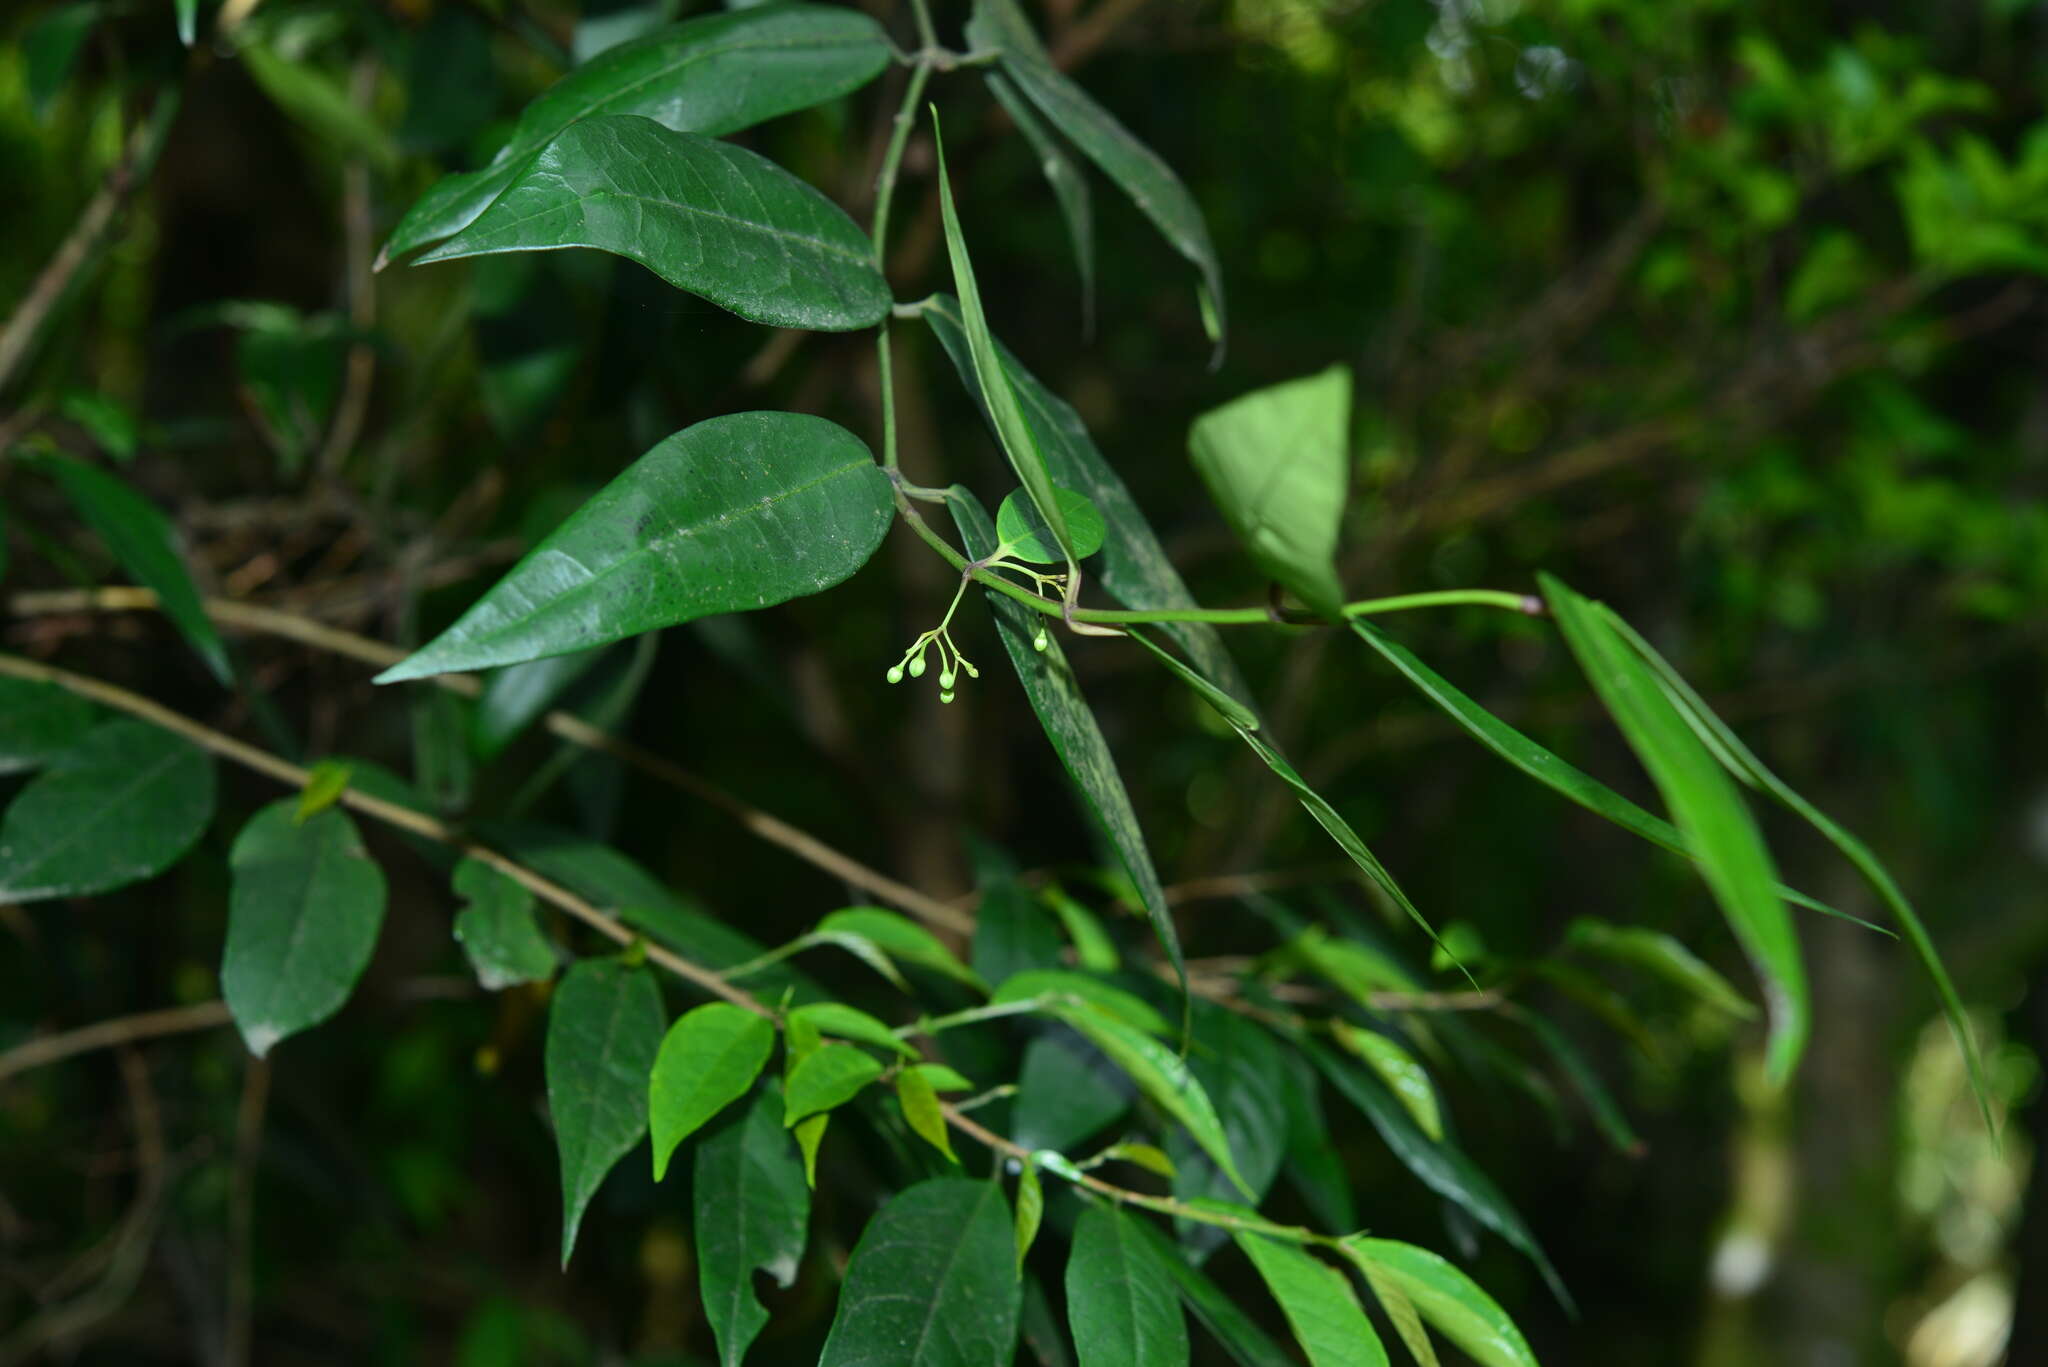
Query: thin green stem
x,y
973,1014
892,159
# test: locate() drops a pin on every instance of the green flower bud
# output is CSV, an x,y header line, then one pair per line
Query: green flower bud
x,y
946,696
895,673
917,668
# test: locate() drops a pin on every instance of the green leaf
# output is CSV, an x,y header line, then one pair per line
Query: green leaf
x,y
1026,537
932,1283
123,804
1313,1166
1398,1068
1706,807
810,1133
1061,985
1040,1329
112,426
1246,1343
1000,26
1161,1075
1226,707
304,907
992,380
1745,765
1276,462
837,1018
497,929
1607,1113
1012,932
1447,1298
38,722
707,1061
903,939
942,1078
827,1078
517,696
1120,1304
712,75
1359,971
751,1208
1319,1303
1071,727
709,218
604,1030
145,543
188,20
1093,949
1066,1092
920,1105
49,50
1030,1210
324,787
735,513
1401,1311
1243,1071
321,104
1069,187
1662,955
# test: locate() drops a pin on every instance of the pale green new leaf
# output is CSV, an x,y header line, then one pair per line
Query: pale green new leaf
x,y
707,1061
497,930
1069,187
304,906
1030,1210
1447,1298
903,939
1660,954
1026,537
735,513
942,1078
920,1105
932,1283
325,784
847,1022
38,722
826,1078
751,1205
1399,1069
604,1030
1120,1304
1093,949
711,219
1059,985
1359,971
1321,1308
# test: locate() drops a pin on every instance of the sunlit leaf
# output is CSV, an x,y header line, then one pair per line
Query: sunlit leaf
x,y
1447,1298
837,1018
1062,985
1399,1069
903,939
707,1061
920,1106
1321,1308
828,1077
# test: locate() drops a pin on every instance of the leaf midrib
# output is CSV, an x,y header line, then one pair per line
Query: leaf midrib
x,y
170,757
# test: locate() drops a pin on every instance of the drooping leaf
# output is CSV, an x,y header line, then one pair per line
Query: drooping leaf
x,y
1662,955
145,543
1121,1305
1399,1070
49,50
735,513
1277,462
932,1283
1030,1210
1319,1303
1026,537
1000,25
752,1207
1067,1091
497,930
1063,985
837,1018
1447,1298
1247,1344
124,803
920,1106
828,1077
325,784
38,722
1093,949
903,939
1242,1069
1313,1166
709,218
1706,807
515,697
711,75
1606,1112
604,1030
707,1061
1076,738
1069,187
304,907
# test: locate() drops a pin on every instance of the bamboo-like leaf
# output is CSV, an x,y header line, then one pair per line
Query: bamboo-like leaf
x,y
1407,1321
1319,1303
751,1206
1399,1070
712,75
604,1030
1313,1165
828,1077
846,1022
1660,954
1120,1303
903,939
1061,985
920,1106
1030,1210
497,929
1357,970
1606,1112
1706,807
1069,188
932,1283
1247,1344
708,1060
38,722
1447,1298
735,513
709,218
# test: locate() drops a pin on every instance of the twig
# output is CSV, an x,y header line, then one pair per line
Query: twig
x,y
358,230
176,1020
242,1211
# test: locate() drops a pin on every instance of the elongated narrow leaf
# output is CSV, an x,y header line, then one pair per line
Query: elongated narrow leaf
x,y
1401,1311
1076,737
1093,949
1360,971
38,722
1706,807
1247,1344
1030,1210
932,1283
49,50
1121,1305
1062,985
752,1207
1606,1112
497,929
1319,1303
515,697
903,939
998,396
837,1018
1069,187
604,1030
1662,955
711,75
1745,765
1000,26
1244,1073
735,513
707,1061
710,218
1313,1165
145,543
827,1078
919,1103
188,20
121,805
1277,462
1399,1070
304,909
1447,1298
1163,1076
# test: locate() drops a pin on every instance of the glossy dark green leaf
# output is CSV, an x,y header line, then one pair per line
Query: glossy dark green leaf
x,y
1026,537
1662,955
827,1078
1242,1069
901,938
1313,1166
1067,1091
1277,462
999,25
304,907
1705,806
710,218
49,50
1076,738
1606,1112
712,75
933,1283
38,722
1062,985
1069,187
1012,931
122,804
145,543
735,513
708,1060
1247,1344
519,695
497,930
604,1030
442,765
1447,1298
1121,1305
752,1207
1319,1303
